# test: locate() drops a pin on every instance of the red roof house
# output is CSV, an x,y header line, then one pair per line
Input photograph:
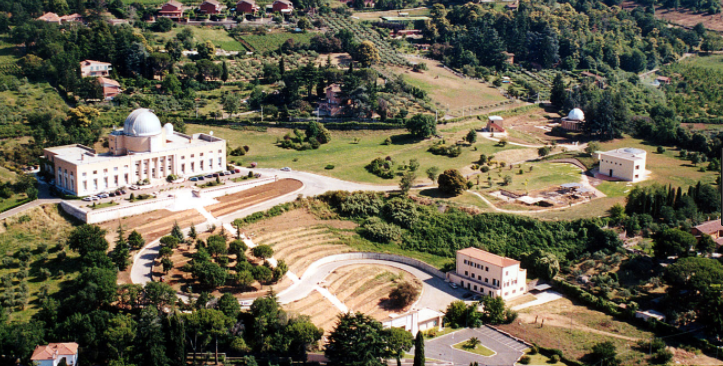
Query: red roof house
x,y
53,353
171,9
211,7
246,7
50,18
283,6
111,88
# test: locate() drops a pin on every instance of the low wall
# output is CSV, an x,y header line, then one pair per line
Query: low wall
x,y
380,256
224,190
114,213
71,210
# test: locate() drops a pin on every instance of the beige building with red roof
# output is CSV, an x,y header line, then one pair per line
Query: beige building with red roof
x,y
53,353
712,228
90,68
489,274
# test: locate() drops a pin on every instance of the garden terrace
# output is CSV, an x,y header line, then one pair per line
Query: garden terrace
x,y
387,54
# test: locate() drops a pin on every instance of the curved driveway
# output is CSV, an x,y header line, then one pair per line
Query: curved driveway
x,y
436,294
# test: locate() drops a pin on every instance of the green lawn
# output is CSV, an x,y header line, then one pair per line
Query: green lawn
x,y
272,41
711,61
543,175
36,227
478,349
348,157
217,35
540,360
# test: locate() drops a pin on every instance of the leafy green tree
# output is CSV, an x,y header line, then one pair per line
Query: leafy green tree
x,y
494,310
432,173
302,334
604,354
169,242
262,273
159,294
557,93
150,345
419,350
95,287
135,240
403,295
673,242
210,274
367,53
87,238
357,340
172,85
121,253
706,244
451,182
176,232
121,333
262,251
399,341
407,182
421,125
228,305
216,245
237,247
471,136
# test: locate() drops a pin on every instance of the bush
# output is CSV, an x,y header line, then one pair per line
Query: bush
x,y
525,360
661,149
379,231
554,359
403,295
484,169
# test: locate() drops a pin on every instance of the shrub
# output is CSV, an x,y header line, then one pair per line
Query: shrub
x,y
375,229
554,359
403,295
484,169
661,149
525,360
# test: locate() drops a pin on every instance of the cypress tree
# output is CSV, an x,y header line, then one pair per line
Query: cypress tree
x,y
678,197
121,252
282,66
419,350
176,232
224,72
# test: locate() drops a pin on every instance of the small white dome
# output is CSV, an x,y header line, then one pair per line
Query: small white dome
x,y
576,115
142,122
168,128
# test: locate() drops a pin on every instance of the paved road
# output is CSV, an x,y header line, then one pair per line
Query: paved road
x,y
436,294
313,185
508,350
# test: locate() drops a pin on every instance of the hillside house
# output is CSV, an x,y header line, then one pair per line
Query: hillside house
x,y
489,274
91,68
172,9
49,18
282,6
111,88
247,7
211,7
54,353
494,124
712,228
663,80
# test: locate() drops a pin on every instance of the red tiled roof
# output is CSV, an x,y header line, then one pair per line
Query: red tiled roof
x,y
53,350
103,80
93,62
709,227
488,257
174,3
49,17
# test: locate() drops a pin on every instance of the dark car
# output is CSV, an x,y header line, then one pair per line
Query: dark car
x,y
215,175
112,194
467,295
123,191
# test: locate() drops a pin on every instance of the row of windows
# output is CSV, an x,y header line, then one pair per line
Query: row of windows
x,y
476,265
490,292
615,163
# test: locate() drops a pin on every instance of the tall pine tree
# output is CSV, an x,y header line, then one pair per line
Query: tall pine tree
x,y
176,232
121,252
419,350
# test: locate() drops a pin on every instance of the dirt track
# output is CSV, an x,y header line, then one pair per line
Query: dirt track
x,y
237,201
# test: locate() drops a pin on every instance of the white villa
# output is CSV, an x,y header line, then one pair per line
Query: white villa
x,y
141,150
626,164
53,353
489,274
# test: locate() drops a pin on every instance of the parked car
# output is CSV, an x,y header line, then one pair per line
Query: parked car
x,y
87,198
201,178
215,175
134,187
230,172
222,174
193,179
286,169
103,195
209,176
467,295
123,191
237,170
112,194
254,164
452,285
94,198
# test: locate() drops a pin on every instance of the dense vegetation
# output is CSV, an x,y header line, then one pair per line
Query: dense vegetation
x,y
425,229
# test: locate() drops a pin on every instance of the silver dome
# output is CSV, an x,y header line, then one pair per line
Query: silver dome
x,y
142,122
576,115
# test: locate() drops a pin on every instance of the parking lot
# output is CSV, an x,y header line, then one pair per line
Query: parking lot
x,y
508,350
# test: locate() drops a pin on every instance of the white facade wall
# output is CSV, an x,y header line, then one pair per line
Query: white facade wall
x,y
489,279
623,167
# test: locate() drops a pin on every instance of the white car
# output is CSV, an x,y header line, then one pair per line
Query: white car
x,y
87,198
133,187
286,169
103,195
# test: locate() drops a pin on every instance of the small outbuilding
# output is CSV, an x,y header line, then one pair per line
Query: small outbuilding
x,y
494,124
626,164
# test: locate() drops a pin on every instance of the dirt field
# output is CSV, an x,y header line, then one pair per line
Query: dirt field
x,y
237,201
448,90
299,238
684,17
361,288
525,128
152,225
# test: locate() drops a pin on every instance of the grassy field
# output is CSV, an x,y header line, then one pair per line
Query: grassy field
x,y
348,152
543,175
539,359
41,226
272,41
375,15
598,208
714,62
217,35
478,349
449,91
666,168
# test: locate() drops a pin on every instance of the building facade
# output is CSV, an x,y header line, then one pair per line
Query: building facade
x,y
211,7
91,68
246,7
489,274
142,150
282,6
54,353
626,164
172,9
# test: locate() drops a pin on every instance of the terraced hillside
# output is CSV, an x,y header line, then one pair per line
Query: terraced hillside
x,y
152,225
299,247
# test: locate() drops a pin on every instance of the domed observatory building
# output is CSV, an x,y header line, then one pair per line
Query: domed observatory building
x,y
142,151
574,120
626,164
